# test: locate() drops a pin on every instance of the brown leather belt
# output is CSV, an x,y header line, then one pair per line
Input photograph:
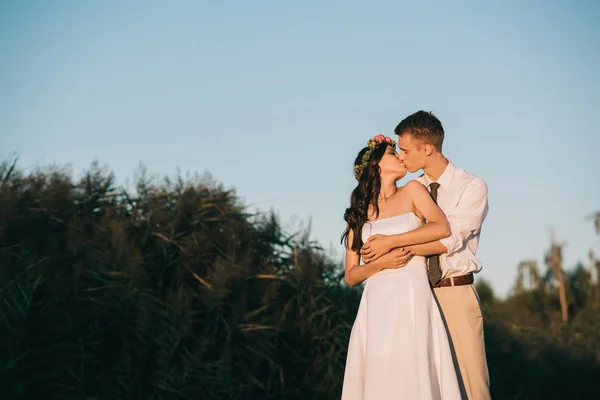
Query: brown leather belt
x,y
455,281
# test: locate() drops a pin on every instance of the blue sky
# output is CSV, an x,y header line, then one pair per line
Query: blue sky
x,y
275,99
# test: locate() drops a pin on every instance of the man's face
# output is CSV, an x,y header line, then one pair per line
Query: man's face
x,y
412,152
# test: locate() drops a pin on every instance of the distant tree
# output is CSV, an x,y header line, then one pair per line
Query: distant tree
x,y
174,290
485,292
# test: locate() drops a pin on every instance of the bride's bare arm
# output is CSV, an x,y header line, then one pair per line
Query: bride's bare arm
x,y
437,226
356,273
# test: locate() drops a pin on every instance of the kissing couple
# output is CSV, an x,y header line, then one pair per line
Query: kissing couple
x,y
418,333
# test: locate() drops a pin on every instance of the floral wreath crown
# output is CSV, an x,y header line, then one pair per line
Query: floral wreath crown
x,y
372,144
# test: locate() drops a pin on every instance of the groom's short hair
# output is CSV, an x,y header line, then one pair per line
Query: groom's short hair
x,y
423,126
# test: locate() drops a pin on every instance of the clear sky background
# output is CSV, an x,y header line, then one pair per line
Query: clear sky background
x,y
275,98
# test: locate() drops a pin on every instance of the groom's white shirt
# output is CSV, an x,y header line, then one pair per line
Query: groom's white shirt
x,y
464,199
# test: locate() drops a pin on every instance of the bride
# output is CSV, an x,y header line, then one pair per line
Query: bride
x,y
398,347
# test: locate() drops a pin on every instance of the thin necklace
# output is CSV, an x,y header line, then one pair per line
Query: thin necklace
x,y
384,197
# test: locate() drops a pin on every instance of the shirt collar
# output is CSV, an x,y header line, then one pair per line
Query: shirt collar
x,y
446,177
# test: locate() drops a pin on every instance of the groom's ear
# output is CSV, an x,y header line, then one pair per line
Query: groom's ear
x,y
428,149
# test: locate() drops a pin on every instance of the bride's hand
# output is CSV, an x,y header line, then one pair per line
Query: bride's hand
x,y
396,258
375,247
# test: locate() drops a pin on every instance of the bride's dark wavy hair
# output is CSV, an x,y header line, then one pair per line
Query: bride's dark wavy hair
x,y
365,194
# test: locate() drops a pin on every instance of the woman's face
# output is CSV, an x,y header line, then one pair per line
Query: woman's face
x,y
391,166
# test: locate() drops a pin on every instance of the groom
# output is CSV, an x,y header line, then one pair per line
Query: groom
x,y
452,261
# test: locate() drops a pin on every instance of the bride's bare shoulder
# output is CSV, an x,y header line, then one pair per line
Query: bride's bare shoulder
x,y
413,185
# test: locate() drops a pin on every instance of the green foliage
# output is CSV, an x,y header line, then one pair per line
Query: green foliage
x,y
177,292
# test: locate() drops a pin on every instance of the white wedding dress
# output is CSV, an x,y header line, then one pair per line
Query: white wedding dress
x,y
399,347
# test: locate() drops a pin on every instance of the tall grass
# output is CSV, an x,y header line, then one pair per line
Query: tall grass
x,y
177,292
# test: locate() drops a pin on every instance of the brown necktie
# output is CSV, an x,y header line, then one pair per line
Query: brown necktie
x,y
434,272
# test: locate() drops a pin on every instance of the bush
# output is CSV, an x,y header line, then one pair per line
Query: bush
x,y
177,292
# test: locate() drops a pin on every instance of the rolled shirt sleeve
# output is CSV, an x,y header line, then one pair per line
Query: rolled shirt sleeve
x,y
467,217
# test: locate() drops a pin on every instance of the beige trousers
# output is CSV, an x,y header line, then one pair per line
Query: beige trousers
x,y
461,310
